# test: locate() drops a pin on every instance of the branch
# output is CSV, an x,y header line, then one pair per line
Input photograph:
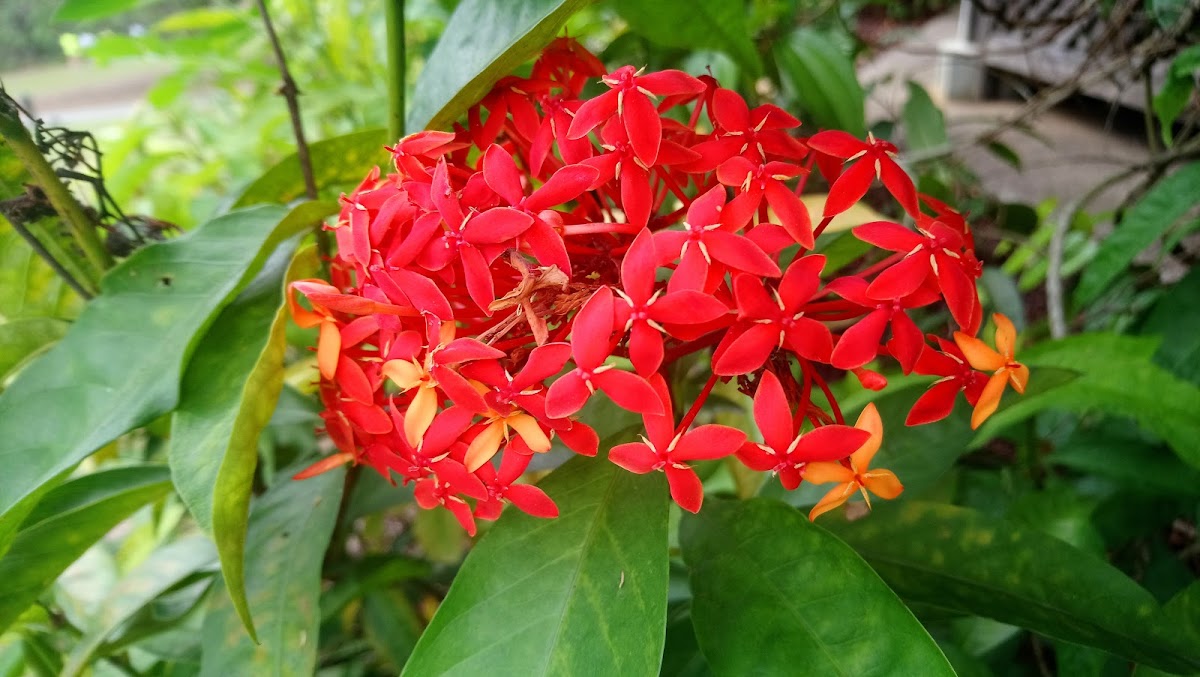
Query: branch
x,y
291,95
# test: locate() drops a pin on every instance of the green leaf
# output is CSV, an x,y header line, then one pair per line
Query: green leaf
x,y
1115,450
1116,376
67,521
696,24
290,528
1168,201
338,161
957,560
119,365
228,396
90,10
1177,321
924,125
772,591
162,570
483,42
821,79
391,625
201,18
584,593
24,338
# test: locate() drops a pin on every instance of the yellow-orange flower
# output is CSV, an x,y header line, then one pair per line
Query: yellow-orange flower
x,y
487,443
858,477
1001,362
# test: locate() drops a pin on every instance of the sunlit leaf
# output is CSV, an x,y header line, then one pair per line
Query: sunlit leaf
x,y
67,521
483,42
119,365
584,593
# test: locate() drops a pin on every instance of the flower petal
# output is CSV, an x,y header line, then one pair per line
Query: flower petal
x,y
531,500
567,395
708,442
989,400
635,457
772,413
629,391
686,488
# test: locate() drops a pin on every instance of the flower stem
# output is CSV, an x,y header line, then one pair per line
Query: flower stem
x,y
700,399
397,66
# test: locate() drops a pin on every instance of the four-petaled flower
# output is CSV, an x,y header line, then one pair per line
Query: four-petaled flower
x,y
663,449
1001,362
855,475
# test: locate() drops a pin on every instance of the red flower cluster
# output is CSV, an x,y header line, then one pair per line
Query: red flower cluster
x,y
486,289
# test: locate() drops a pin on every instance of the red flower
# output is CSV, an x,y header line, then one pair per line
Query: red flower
x,y
783,451
501,486
759,181
934,253
664,449
859,344
773,320
646,310
875,159
629,98
590,346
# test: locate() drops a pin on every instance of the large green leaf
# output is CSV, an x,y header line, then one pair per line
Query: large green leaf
x,y
957,560
1177,320
584,593
772,591
290,527
67,521
696,24
483,42
23,339
821,80
1168,201
162,570
1116,376
119,365
338,161
228,396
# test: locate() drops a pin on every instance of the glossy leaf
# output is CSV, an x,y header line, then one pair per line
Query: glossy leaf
x,y
1116,376
695,24
342,160
924,124
290,527
1116,451
958,560
483,42
1167,202
119,365
159,572
819,76
228,396
772,591
65,523
23,339
584,593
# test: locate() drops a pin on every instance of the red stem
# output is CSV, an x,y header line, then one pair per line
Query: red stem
x,y
691,414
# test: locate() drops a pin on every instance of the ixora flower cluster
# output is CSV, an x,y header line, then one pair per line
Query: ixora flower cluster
x,y
483,291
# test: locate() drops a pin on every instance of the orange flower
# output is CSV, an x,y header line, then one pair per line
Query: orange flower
x,y
487,443
882,483
1001,362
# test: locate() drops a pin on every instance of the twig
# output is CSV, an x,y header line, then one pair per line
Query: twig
x,y
82,228
397,66
291,95
1055,304
40,249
